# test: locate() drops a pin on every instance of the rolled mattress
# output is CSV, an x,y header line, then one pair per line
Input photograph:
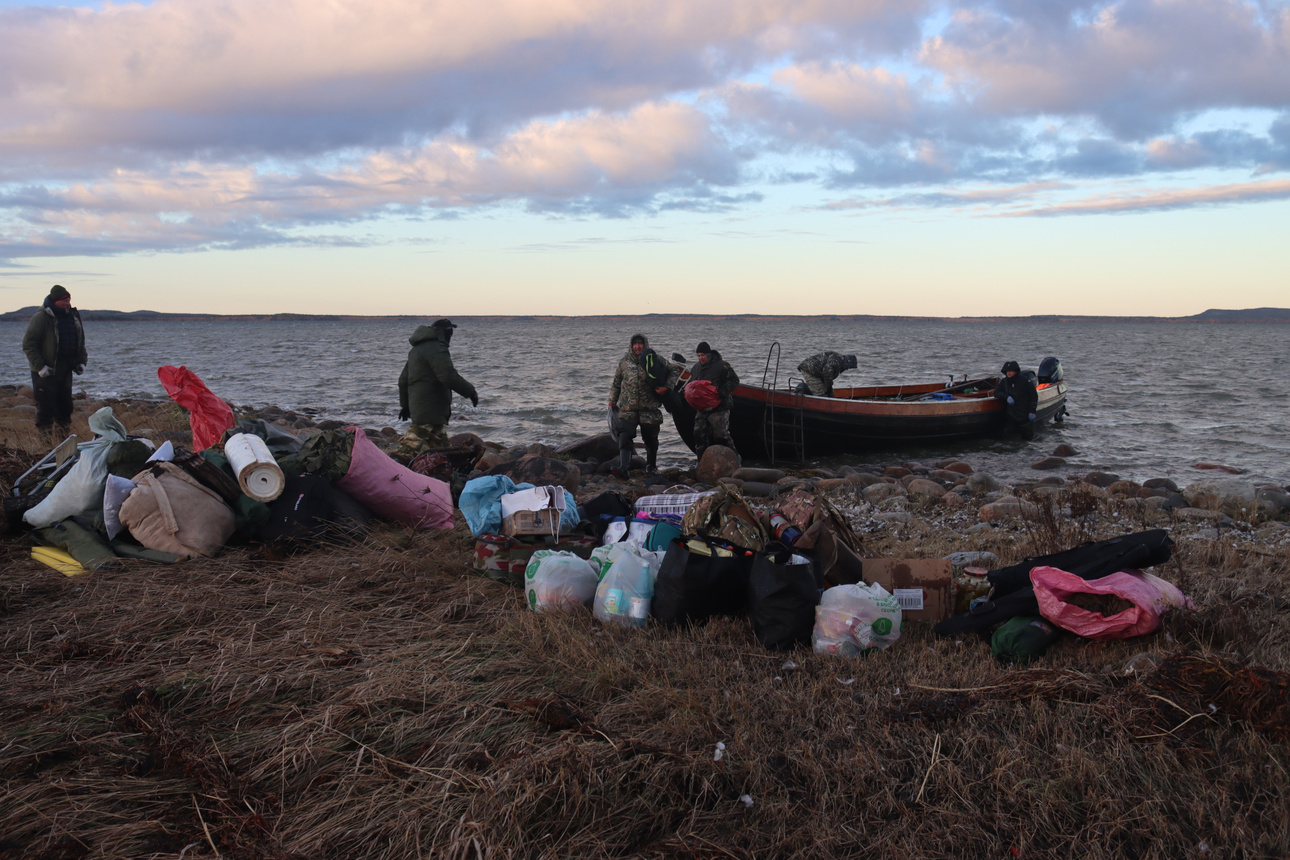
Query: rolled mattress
x,y
258,474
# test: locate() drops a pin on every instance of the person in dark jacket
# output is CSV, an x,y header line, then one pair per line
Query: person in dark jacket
x,y
425,390
819,371
712,426
1020,398
55,347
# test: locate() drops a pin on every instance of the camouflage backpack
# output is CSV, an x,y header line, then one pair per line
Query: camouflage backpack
x,y
803,508
727,516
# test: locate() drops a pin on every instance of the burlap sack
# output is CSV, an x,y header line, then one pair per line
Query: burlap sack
x,y
171,511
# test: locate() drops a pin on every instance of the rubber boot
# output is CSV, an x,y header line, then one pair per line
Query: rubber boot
x,y
624,462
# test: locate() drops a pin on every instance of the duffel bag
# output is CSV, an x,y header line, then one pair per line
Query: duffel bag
x,y
171,511
699,578
504,558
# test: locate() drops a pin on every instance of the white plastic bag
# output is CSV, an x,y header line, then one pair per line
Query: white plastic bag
x,y
852,619
80,491
558,581
637,531
627,587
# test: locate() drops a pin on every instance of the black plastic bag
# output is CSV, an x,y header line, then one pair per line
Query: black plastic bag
x,y
603,509
698,578
782,597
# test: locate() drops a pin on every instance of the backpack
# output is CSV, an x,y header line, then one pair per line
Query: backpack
x,y
725,515
171,511
656,368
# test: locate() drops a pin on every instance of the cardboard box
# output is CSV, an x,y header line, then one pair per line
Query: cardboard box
x,y
543,522
924,587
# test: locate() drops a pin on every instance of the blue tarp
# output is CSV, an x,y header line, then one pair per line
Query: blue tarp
x,y
481,504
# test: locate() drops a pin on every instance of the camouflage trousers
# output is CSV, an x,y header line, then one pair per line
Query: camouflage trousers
x,y
419,438
819,386
712,427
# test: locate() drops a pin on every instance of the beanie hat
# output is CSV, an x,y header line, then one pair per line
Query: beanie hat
x,y
850,362
444,323
59,292
703,347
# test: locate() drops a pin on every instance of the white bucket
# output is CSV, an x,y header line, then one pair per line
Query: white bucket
x,y
258,474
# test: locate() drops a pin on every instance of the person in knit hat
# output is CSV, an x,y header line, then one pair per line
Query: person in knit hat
x,y
55,347
712,426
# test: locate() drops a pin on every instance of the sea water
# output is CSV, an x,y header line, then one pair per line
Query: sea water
x,y
1146,399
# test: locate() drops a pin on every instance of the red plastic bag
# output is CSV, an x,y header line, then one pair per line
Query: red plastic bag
x,y
702,394
1150,595
209,415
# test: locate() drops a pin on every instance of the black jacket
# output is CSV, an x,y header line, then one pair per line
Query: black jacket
x,y
1025,399
719,372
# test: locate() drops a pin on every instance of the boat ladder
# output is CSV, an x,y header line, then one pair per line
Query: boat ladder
x,y
782,428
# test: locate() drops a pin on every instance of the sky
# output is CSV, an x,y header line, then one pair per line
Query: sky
x,y
985,157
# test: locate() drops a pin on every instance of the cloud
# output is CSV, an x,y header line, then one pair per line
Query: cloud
x,y
1162,200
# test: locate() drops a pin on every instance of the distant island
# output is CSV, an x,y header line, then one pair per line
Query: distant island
x,y
1248,315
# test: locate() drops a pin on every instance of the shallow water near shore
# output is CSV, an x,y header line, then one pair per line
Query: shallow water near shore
x,y
1146,400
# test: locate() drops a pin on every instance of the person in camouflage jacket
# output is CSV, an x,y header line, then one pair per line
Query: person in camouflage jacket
x,y
712,426
637,404
819,371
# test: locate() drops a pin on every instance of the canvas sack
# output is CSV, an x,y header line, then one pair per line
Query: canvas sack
x,y
171,511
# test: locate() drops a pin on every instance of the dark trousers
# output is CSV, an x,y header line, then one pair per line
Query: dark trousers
x,y
649,435
53,399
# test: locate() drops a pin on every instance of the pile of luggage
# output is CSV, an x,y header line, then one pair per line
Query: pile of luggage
x,y
93,503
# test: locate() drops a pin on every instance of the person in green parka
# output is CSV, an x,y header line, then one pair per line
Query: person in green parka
x,y
425,390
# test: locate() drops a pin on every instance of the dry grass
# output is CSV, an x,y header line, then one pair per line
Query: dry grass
x,y
379,700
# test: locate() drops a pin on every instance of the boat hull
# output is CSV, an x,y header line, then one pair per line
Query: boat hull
x,y
764,421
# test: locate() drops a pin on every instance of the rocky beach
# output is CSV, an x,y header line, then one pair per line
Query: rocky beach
x,y
378,698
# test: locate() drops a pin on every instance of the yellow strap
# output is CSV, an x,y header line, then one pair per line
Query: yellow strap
x,y
58,560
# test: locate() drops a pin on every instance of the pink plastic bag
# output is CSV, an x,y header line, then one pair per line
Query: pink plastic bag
x,y
1150,595
702,394
393,491
209,415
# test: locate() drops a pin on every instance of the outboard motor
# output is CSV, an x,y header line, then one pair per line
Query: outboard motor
x,y
1050,370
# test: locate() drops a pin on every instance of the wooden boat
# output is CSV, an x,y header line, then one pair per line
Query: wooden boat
x,y
782,424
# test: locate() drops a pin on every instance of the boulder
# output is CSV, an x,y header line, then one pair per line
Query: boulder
x,y
599,447
541,472
717,461
759,488
881,492
960,467
471,440
540,449
824,485
1086,489
1048,463
981,483
896,472
863,479
945,476
1064,450
1009,507
953,500
763,476
1273,502
1219,467
1101,479
1153,483
1233,496
924,490
490,460
1123,488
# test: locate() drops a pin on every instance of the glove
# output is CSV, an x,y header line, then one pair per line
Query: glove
x,y
474,400
79,369
1032,416
1011,401
45,372
404,414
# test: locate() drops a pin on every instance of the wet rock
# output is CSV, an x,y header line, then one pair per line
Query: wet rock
x,y
1051,481
1101,479
465,440
819,473
540,450
1064,450
760,489
1123,488
1048,463
953,500
824,485
863,479
1233,496
881,492
764,476
329,424
981,483
717,461
1219,467
946,477
960,467
1049,492
896,472
541,472
490,460
1009,507
600,447
924,490
1153,483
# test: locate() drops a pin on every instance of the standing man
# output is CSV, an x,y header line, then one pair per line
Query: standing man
x,y
637,401
819,371
55,348
425,390
1020,398
712,426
